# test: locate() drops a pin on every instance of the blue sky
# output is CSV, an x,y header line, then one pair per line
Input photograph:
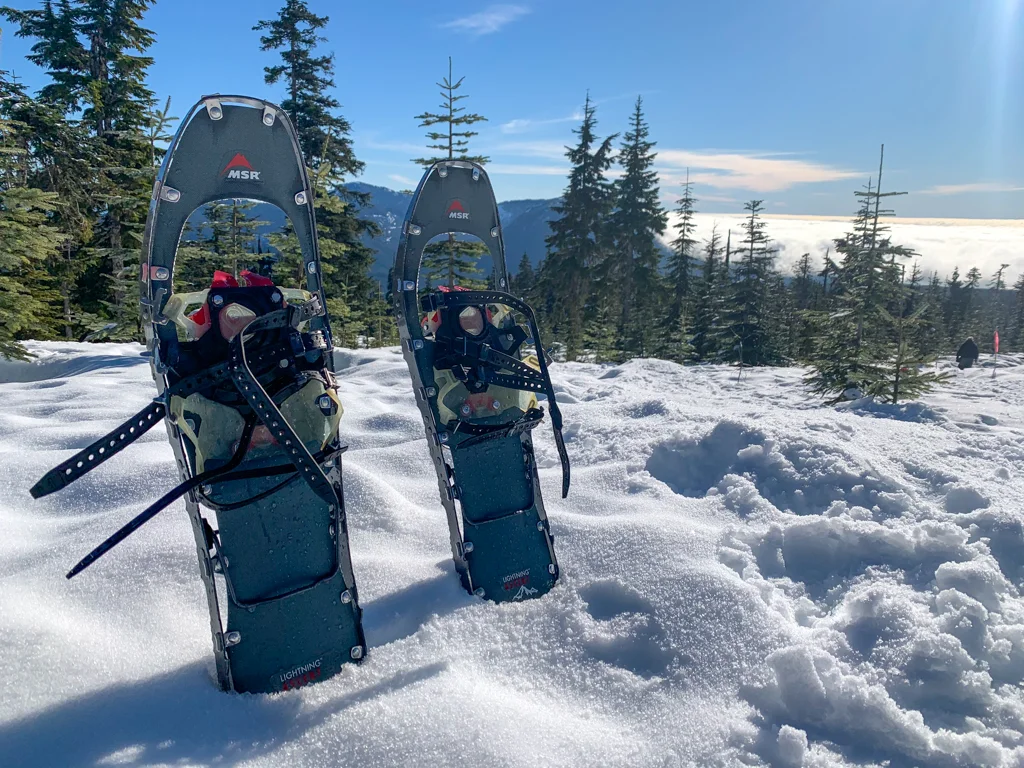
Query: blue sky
x,y
786,101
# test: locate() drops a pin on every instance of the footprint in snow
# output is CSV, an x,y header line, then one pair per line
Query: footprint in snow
x,y
629,635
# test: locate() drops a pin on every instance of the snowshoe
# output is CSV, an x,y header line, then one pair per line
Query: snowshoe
x,y
476,383
244,372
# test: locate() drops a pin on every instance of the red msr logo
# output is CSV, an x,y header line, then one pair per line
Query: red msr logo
x,y
240,168
457,211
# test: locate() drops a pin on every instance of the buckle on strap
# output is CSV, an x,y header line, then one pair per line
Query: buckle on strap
x,y
301,343
483,432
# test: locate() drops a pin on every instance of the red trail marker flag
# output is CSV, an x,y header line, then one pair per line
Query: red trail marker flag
x,y
995,360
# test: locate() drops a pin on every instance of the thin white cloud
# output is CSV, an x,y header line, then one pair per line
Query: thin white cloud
x,y
757,172
394,146
489,20
400,179
550,150
527,170
978,186
524,125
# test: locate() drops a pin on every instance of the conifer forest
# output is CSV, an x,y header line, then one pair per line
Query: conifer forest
x,y
620,279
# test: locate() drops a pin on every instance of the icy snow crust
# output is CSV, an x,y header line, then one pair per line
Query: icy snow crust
x,y
750,578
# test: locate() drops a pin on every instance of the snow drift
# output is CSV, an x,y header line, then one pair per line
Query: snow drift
x,y
750,578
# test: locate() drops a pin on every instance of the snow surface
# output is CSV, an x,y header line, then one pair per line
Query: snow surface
x,y
750,578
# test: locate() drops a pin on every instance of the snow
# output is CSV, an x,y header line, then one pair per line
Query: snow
x,y
750,578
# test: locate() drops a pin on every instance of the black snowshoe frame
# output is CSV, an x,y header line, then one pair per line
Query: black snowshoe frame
x,y
500,536
276,637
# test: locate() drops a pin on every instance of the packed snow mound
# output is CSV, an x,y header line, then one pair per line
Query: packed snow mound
x,y
749,578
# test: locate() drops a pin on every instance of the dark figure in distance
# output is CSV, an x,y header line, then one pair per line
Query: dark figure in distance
x,y
967,353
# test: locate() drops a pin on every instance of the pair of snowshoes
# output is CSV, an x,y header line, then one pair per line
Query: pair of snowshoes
x,y
246,388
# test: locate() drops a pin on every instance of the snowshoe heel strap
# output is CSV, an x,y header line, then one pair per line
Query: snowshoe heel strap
x,y
483,432
164,501
265,408
110,444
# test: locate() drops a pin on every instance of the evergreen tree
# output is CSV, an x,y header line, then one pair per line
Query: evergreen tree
x,y
954,311
909,372
998,313
327,149
525,278
323,133
706,338
450,142
452,261
829,270
92,50
930,336
805,291
27,241
749,323
971,314
1017,333
53,156
856,347
680,266
631,273
578,236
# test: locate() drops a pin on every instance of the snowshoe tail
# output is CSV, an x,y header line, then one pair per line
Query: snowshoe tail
x,y
476,384
251,409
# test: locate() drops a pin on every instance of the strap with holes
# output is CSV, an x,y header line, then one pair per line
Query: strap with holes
x,y
265,408
166,500
89,458
108,445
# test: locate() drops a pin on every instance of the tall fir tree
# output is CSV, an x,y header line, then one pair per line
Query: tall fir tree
x,y
972,318
805,289
1017,323
930,335
27,242
523,282
680,267
997,313
452,261
327,148
308,77
93,51
749,323
55,157
579,235
860,338
909,372
954,307
632,279
706,328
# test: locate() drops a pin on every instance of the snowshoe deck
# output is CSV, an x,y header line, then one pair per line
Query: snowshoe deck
x,y
476,389
251,412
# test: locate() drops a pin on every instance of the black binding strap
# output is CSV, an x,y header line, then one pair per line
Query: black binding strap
x,y
131,430
482,432
483,355
166,500
89,458
265,408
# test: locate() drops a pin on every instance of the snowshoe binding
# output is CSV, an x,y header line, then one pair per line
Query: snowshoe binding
x,y
244,372
476,383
